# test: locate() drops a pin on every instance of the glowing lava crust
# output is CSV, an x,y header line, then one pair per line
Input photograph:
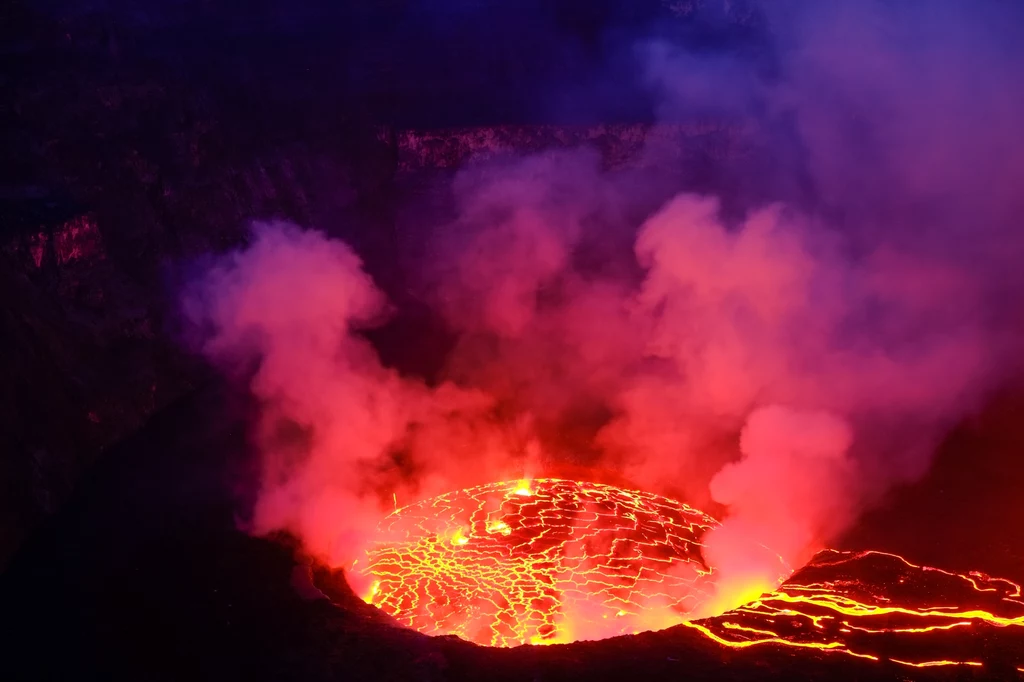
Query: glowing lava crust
x,y
543,561
880,606
553,560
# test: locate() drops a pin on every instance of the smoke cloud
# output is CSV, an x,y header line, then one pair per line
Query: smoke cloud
x,y
341,436
785,364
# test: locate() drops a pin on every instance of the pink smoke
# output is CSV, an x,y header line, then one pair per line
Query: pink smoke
x,y
338,430
788,366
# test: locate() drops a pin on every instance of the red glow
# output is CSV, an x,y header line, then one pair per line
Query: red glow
x,y
543,561
551,560
859,603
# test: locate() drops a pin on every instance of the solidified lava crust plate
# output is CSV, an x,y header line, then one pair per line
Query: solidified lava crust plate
x,y
543,561
551,560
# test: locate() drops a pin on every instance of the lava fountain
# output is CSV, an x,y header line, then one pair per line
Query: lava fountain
x,y
543,561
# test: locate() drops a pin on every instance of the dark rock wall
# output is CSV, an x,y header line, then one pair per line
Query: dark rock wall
x,y
623,145
119,170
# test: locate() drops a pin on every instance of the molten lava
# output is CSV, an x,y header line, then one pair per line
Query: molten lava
x,y
543,561
877,605
552,560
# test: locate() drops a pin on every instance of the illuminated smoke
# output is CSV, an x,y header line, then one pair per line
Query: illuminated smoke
x,y
789,344
290,302
878,300
339,432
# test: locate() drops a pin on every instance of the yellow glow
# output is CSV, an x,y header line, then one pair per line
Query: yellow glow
x,y
499,527
523,487
372,592
556,561
540,561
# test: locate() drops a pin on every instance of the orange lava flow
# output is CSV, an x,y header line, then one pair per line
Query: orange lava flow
x,y
543,561
552,561
877,605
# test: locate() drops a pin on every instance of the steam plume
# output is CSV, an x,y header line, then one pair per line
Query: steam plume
x,y
339,432
790,364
